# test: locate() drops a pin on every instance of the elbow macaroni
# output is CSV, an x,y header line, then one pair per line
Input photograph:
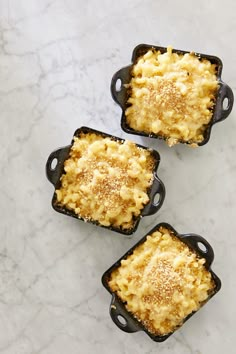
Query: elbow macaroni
x,y
106,180
172,95
162,282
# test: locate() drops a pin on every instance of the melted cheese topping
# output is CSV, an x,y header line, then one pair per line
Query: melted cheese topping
x,y
172,95
106,180
162,282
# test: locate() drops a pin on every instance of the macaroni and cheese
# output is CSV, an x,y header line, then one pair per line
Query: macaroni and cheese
x,y
106,180
172,96
162,282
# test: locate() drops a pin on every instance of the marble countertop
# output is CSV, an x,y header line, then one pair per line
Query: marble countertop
x,y
57,58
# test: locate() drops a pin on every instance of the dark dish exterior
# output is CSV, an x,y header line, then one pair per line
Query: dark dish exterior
x,y
117,307
54,176
121,94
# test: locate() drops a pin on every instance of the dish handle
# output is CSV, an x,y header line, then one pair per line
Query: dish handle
x,y
154,205
55,164
225,95
121,317
118,90
201,246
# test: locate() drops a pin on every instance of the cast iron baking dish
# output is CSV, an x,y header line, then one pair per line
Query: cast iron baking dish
x,y
120,92
54,174
118,312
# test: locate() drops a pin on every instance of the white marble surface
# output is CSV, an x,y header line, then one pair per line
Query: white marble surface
x,y
56,62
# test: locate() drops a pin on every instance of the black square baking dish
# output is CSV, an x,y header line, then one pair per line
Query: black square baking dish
x,y
56,172
120,90
160,286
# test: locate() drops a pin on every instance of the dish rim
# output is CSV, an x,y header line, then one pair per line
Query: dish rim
x,y
117,306
54,176
125,74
